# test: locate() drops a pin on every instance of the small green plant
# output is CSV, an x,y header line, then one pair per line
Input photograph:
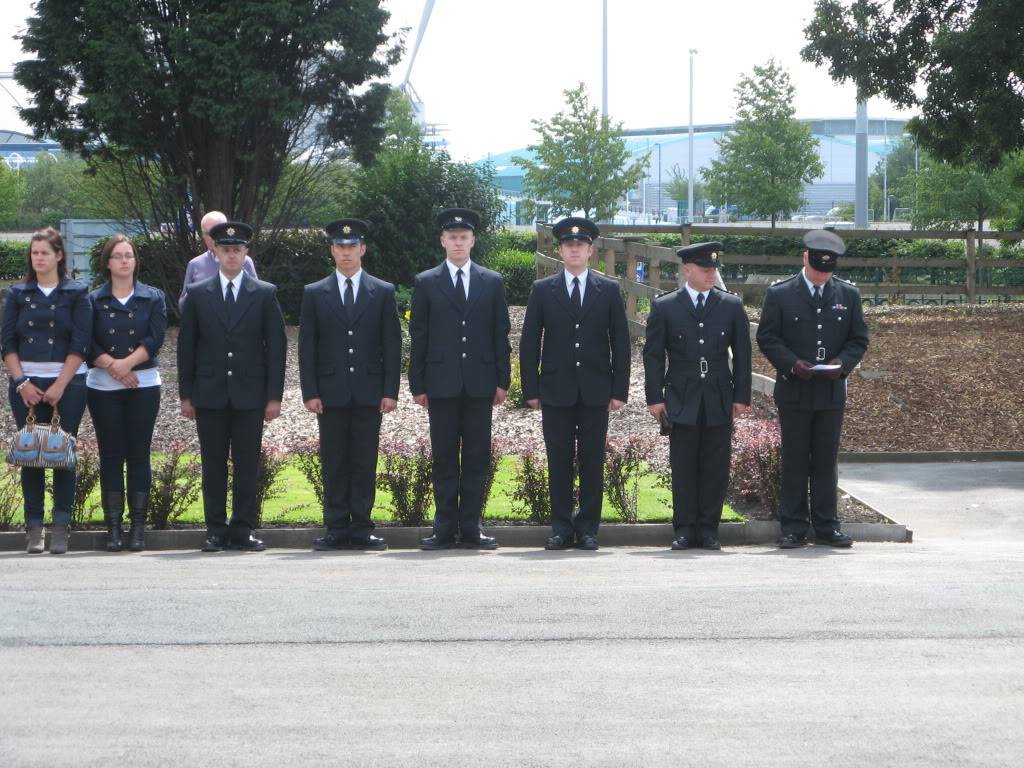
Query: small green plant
x,y
530,494
268,475
10,495
176,485
87,475
406,475
306,454
624,465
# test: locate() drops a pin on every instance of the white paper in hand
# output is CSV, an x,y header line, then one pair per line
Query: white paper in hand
x,y
827,367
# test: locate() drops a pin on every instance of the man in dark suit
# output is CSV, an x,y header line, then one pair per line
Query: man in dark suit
x,y
574,356
231,358
695,327
812,330
350,360
459,369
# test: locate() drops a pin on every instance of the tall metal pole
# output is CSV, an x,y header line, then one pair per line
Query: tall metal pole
x,y
604,59
658,145
689,171
860,208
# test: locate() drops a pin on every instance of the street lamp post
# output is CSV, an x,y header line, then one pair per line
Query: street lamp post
x,y
689,172
658,145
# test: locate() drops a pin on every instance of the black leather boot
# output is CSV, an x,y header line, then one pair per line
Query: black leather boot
x,y
137,534
113,512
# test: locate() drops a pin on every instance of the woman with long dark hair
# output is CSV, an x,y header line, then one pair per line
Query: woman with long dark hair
x,y
46,329
129,321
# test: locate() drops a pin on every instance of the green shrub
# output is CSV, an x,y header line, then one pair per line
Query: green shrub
x,y
13,258
516,240
519,270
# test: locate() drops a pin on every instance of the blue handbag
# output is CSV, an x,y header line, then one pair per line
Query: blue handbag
x,y
43,447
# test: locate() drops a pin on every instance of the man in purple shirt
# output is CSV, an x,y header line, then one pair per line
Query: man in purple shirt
x,y
205,266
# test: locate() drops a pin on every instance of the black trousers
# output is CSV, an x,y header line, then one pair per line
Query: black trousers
x,y
570,431
699,454
810,451
33,480
349,439
124,421
460,442
238,432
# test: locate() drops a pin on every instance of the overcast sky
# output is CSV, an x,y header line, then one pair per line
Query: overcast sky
x,y
487,67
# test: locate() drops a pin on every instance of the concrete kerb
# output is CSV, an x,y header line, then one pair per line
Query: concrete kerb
x,y
925,457
527,536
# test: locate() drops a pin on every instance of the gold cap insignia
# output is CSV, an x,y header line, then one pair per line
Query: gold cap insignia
x,y
714,256
458,218
346,229
575,230
825,257
231,231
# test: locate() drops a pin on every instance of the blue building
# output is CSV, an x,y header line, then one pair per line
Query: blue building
x,y
20,149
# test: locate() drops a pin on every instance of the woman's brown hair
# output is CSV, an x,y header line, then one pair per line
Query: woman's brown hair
x,y
112,243
51,237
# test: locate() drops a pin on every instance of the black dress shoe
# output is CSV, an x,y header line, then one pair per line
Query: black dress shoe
x,y
558,542
434,542
834,539
791,541
369,542
215,543
249,544
710,542
587,542
681,542
330,541
481,542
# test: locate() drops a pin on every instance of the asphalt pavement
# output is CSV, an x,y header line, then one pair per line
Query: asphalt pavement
x,y
886,654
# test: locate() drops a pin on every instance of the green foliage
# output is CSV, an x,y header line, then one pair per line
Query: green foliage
x,y
268,478
143,85
87,477
13,259
530,495
402,192
406,474
678,187
306,454
946,196
516,240
581,161
177,480
10,495
625,463
519,270
968,56
902,160
12,194
766,159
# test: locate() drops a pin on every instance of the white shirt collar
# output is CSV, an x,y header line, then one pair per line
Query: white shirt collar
x,y
237,280
810,285
583,281
355,282
695,293
452,269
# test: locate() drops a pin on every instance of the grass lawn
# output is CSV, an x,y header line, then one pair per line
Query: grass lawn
x,y
297,505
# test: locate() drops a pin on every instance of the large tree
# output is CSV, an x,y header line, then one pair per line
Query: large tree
x,y
204,104
581,162
768,156
969,55
948,196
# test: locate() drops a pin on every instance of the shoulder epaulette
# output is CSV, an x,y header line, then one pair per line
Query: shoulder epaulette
x,y
724,290
782,280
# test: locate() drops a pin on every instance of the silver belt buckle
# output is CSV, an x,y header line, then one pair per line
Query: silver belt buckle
x,y
821,353
703,366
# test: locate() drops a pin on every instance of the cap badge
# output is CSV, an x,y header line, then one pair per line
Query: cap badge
x,y
714,256
346,229
231,231
825,257
575,230
458,218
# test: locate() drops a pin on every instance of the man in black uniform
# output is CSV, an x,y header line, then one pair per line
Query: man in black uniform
x,y
459,369
574,357
350,360
812,330
695,327
231,358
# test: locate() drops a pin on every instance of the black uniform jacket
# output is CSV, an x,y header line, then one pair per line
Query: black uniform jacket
x,y
792,328
349,362
238,363
698,356
43,328
455,352
585,357
118,329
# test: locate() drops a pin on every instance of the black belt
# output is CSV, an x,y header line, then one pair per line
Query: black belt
x,y
702,365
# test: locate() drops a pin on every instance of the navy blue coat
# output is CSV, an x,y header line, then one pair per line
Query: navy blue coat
x,y
118,329
42,328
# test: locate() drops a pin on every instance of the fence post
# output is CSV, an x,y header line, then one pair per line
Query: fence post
x,y
972,268
609,260
654,274
630,275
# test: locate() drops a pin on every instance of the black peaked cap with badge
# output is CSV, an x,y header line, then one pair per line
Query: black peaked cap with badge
x,y
701,254
575,228
231,233
824,248
458,218
347,231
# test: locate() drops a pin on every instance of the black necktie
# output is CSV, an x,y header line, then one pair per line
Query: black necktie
x,y
700,304
817,295
577,301
349,296
229,298
460,290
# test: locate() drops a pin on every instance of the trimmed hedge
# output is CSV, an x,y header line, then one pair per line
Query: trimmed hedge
x,y
519,271
13,258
